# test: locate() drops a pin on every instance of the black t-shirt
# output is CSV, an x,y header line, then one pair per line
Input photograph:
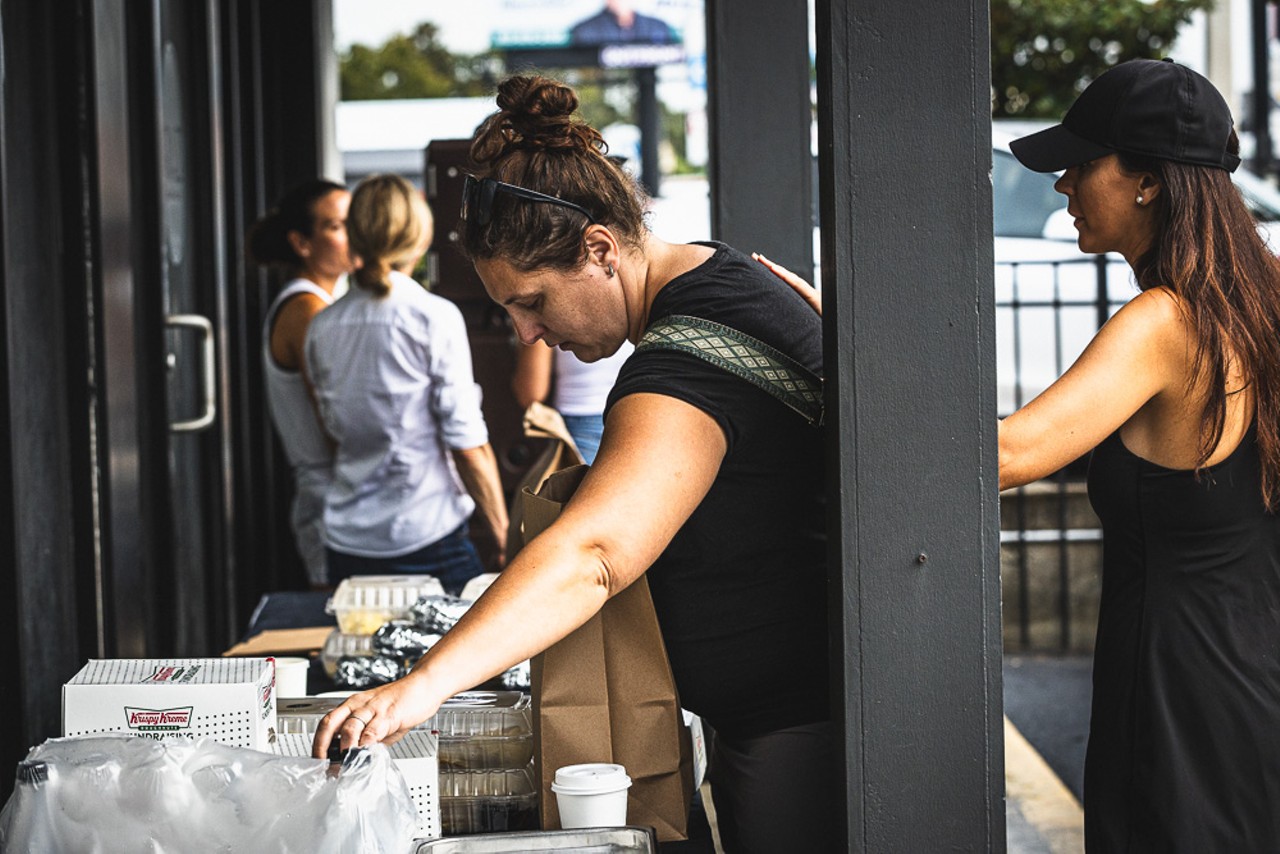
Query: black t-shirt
x,y
740,592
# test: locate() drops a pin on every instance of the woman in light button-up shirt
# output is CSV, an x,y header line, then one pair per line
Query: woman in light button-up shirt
x,y
391,366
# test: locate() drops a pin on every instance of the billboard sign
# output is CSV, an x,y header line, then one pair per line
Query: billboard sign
x,y
617,33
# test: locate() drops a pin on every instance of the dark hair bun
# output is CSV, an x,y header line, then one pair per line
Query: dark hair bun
x,y
537,96
268,241
536,113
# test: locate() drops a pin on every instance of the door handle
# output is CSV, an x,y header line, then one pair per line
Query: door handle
x,y
202,325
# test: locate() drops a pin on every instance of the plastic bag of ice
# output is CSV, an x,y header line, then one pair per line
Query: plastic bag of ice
x,y
106,793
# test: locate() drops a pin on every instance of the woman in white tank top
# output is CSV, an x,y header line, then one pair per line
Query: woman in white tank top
x,y
305,237
577,389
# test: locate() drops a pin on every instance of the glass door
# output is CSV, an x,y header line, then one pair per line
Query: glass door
x,y
192,276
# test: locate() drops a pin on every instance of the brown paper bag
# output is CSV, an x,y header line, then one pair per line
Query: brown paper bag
x,y
540,422
606,694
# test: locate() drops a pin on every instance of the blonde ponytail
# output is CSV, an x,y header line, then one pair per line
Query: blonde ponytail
x,y
388,226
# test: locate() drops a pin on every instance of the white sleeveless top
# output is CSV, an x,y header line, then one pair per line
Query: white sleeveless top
x,y
581,388
304,442
291,409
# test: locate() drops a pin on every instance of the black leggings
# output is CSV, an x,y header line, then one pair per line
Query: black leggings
x,y
777,793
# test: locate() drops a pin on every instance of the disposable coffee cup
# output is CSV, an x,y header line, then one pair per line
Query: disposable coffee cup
x,y
592,795
291,676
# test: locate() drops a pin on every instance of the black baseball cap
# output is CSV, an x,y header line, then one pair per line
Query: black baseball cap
x,y
1150,107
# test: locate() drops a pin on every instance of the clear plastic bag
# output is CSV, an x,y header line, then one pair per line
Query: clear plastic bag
x,y
92,794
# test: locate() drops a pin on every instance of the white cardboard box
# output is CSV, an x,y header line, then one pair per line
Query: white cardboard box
x,y
230,700
416,757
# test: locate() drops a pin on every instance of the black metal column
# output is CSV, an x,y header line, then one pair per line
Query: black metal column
x,y
650,120
1260,36
911,426
760,119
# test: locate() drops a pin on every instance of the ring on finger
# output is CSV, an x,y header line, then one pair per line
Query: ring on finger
x,y
363,721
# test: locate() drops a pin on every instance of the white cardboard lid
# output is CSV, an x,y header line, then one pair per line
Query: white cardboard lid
x,y
171,671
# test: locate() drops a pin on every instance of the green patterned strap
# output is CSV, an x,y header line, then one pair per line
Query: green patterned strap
x,y
741,355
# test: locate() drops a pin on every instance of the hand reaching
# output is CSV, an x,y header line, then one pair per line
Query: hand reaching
x,y
810,293
383,714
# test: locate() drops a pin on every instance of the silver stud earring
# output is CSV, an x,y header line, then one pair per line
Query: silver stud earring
x,y
608,271
1139,199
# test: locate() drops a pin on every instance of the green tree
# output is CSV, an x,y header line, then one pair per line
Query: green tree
x,y
413,66
1044,52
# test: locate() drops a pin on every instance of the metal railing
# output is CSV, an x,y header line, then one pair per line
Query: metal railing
x,y
1050,543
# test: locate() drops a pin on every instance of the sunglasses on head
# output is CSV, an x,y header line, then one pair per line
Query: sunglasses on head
x,y
478,195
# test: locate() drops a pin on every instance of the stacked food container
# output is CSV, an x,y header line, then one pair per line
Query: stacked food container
x,y
361,606
486,763
485,753
387,622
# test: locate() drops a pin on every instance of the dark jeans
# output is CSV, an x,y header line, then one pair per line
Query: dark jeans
x,y
452,559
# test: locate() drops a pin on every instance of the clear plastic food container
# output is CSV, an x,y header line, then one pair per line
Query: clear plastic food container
x,y
487,801
302,716
363,603
478,729
484,730
339,645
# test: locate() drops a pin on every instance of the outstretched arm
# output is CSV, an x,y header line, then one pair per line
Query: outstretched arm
x,y
641,489
1139,354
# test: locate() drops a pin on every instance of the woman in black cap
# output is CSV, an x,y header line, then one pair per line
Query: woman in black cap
x,y
1178,397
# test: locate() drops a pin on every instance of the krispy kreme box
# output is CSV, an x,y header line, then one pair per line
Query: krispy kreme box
x,y
231,700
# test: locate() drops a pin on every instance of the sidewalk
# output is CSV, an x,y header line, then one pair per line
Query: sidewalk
x,y
1042,816
1046,703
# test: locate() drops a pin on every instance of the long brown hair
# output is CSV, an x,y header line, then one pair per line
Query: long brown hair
x,y
1208,251
535,141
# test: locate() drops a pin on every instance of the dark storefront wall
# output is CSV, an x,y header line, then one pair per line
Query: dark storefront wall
x,y
134,157
144,500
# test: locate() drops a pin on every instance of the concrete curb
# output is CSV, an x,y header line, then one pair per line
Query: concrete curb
x,y
1046,805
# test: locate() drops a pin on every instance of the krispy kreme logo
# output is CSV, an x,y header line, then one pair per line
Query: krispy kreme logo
x,y
172,673
158,720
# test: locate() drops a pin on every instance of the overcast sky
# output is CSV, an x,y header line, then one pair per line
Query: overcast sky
x,y
371,22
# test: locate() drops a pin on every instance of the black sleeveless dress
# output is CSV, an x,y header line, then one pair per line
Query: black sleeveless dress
x,y
1184,742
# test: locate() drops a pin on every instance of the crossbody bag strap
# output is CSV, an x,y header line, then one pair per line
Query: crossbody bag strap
x,y
741,355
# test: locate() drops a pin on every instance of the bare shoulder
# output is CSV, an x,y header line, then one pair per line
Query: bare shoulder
x,y
302,307
1155,318
290,328
1156,305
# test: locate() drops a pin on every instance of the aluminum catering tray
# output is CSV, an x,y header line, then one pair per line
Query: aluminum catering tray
x,y
590,840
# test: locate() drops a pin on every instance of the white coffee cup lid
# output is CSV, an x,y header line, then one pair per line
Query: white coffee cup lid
x,y
592,778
